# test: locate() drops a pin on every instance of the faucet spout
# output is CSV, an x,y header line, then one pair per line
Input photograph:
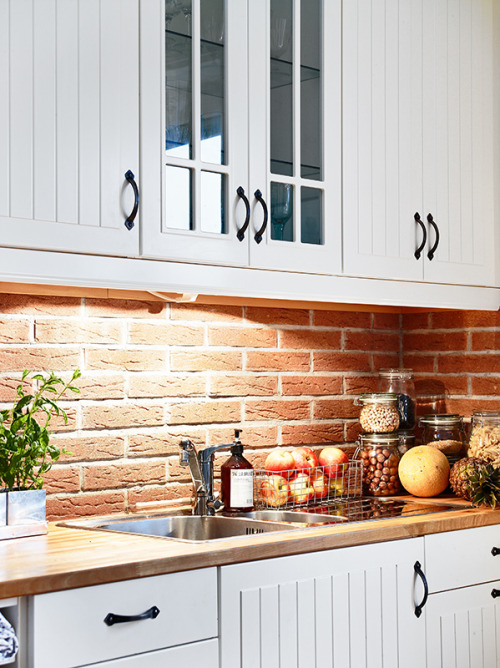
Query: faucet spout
x,y
201,467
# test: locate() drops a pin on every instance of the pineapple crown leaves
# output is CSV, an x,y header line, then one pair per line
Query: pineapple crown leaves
x,y
26,452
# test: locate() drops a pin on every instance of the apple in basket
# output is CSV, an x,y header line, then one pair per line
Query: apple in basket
x,y
301,489
334,461
280,461
305,459
320,484
274,490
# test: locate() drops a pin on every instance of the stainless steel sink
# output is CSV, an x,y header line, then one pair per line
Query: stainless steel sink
x,y
191,528
295,517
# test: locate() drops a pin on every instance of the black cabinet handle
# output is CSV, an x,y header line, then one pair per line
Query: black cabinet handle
x,y
111,618
129,223
258,235
430,220
241,232
419,250
418,570
495,551
495,593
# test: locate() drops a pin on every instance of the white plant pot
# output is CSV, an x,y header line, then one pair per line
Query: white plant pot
x,y
26,507
3,507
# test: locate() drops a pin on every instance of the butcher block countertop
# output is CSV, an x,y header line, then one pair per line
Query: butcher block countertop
x,y
65,558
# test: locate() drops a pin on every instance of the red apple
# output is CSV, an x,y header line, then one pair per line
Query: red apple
x,y
301,489
305,459
274,490
280,461
334,461
319,483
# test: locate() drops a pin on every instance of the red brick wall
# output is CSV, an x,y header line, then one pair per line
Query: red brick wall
x,y
455,356
154,372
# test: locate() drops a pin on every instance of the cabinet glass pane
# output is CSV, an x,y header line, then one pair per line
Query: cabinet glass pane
x,y
282,211
212,58
178,198
281,87
311,224
310,90
213,202
178,78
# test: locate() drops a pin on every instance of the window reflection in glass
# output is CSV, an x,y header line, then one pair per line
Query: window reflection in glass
x,y
212,202
178,198
212,58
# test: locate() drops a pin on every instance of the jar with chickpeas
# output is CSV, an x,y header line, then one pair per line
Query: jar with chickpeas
x,y
380,456
379,412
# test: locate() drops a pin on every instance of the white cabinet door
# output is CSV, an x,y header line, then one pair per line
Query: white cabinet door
x,y
346,608
194,130
295,134
68,124
463,628
417,129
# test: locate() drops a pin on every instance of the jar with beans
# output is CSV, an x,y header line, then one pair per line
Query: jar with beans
x,y
379,412
380,457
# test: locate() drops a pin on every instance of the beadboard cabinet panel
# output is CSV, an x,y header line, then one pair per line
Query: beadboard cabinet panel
x,y
68,124
417,140
350,607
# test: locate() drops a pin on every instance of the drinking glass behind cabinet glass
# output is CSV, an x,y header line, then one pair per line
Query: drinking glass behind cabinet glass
x,y
281,208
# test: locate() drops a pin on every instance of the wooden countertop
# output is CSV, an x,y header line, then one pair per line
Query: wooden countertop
x,y
66,557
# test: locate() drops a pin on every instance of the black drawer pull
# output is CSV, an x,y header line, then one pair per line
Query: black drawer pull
x,y
418,570
419,250
129,223
495,551
111,618
431,222
241,232
495,593
259,233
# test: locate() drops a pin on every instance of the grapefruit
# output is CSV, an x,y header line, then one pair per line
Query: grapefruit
x,y
424,471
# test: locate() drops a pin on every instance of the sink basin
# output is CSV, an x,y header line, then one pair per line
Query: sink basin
x,y
295,517
191,528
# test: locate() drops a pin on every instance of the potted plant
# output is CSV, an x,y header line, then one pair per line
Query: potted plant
x,y
26,451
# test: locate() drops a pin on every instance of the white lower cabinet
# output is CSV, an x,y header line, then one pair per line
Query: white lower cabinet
x,y
463,609
347,608
68,628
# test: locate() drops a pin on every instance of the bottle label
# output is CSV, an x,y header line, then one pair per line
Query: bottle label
x,y
241,488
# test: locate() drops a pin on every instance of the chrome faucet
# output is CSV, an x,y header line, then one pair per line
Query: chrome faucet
x,y
201,466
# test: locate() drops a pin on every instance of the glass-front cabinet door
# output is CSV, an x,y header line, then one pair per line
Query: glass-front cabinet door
x,y
194,130
295,134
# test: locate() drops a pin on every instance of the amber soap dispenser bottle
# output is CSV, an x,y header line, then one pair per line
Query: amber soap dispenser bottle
x,y
237,479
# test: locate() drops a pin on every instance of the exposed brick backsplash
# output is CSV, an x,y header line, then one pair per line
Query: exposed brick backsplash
x,y
155,372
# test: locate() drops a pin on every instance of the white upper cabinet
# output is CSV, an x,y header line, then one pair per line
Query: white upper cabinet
x,y
68,124
417,140
238,101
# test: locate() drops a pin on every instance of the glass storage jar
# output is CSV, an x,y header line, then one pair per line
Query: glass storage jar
x,y
380,457
484,440
400,381
444,431
379,412
406,440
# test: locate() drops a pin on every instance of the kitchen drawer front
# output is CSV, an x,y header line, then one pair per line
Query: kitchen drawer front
x,y
68,627
461,558
204,654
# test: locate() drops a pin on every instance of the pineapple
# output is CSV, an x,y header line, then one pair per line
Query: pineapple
x,y
476,480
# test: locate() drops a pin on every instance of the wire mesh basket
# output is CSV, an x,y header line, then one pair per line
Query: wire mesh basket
x,y
299,489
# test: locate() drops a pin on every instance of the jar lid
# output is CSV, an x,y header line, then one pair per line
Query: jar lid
x,y
396,373
378,397
441,419
407,434
390,440
487,416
